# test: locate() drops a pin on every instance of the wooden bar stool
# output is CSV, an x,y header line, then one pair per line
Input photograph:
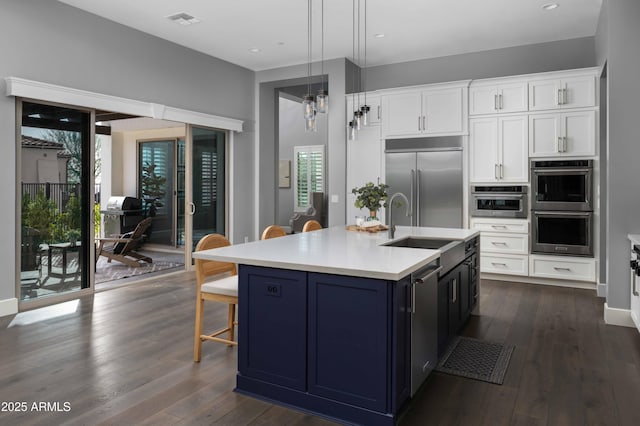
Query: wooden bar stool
x,y
311,225
272,231
224,290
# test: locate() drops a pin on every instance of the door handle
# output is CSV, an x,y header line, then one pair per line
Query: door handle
x,y
419,123
562,269
499,264
192,208
495,102
499,243
559,145
500,101
378,112
454,285
564,144
501,171
418,175
495,171
564,96
559,96
424,125
411,183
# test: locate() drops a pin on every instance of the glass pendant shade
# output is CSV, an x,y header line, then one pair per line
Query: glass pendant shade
x,y
351,131
364,115
310,124
308,107
357,119
322,101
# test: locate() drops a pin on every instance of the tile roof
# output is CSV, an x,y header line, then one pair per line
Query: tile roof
x,y
31,142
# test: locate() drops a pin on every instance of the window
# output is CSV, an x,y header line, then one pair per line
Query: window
x,y
308,174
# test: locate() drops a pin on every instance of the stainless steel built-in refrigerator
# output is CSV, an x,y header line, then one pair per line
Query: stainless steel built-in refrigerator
x,y
429,173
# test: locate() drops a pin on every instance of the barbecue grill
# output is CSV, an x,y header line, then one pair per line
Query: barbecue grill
x,y
122,215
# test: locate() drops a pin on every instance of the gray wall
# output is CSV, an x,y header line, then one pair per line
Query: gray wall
x,y
291,134
553,56
51,42
267,83
617,43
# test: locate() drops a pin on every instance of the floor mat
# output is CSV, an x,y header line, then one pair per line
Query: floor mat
x,y
476,359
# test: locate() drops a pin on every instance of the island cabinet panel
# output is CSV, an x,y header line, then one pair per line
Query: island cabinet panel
x,y
348,347
401,356
272,314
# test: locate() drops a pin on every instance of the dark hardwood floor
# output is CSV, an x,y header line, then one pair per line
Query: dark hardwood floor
x,y
124,357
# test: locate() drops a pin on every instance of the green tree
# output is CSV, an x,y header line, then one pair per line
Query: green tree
x,y
153,185
73,145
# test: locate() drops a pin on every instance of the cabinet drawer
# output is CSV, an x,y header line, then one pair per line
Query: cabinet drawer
x,y
520,226
504,243
563,268
510,264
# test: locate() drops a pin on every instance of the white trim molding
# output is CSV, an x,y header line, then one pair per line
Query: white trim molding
x,y
24,88
8,307
614,316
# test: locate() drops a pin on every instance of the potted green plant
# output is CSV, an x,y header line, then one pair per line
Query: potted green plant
x,y
371,197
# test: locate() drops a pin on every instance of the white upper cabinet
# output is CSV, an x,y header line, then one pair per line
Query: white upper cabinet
x,y
560,93
437,111
402,114
498,149
375,108
494,98
562,134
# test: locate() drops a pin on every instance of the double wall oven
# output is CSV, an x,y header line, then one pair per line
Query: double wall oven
x,y
562,207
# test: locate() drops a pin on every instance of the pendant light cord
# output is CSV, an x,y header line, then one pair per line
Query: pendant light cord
x,y
322,42
309,45
364,79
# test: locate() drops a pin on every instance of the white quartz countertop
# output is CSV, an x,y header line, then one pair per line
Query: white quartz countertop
x,y
338,251
634,238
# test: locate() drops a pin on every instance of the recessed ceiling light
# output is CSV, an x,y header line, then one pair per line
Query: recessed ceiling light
x,y
550,6
254,50
281,43
183,18
379,35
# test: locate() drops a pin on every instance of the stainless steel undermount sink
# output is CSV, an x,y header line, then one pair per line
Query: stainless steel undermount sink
x,y
423,243
451,251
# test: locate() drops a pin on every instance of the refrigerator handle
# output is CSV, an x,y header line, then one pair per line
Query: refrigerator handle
x,y
412,192
418,197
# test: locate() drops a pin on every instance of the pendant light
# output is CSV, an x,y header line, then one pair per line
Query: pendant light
x,y
353,126
308,101
322,98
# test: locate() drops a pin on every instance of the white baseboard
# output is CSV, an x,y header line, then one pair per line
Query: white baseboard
x,y
614,316
8,307
602,290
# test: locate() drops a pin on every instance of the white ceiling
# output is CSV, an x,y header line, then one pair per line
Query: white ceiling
x,y
414,29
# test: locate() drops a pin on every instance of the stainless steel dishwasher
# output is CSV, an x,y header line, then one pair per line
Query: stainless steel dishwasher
x,y
424,323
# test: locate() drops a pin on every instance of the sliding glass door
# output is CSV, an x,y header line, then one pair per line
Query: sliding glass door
x,y
207,184
57,201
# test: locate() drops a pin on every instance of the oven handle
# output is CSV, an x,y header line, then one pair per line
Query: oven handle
x,y
496,196
545,213
563,171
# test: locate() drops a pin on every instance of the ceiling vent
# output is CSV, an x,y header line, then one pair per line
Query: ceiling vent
x,y
183,18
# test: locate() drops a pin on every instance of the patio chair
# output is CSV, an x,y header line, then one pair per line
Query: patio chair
x,y
123,248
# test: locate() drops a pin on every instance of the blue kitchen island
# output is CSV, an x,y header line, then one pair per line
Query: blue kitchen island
x,y
325,320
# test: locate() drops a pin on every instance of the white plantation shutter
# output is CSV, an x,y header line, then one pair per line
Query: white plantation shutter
x,y
309,174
